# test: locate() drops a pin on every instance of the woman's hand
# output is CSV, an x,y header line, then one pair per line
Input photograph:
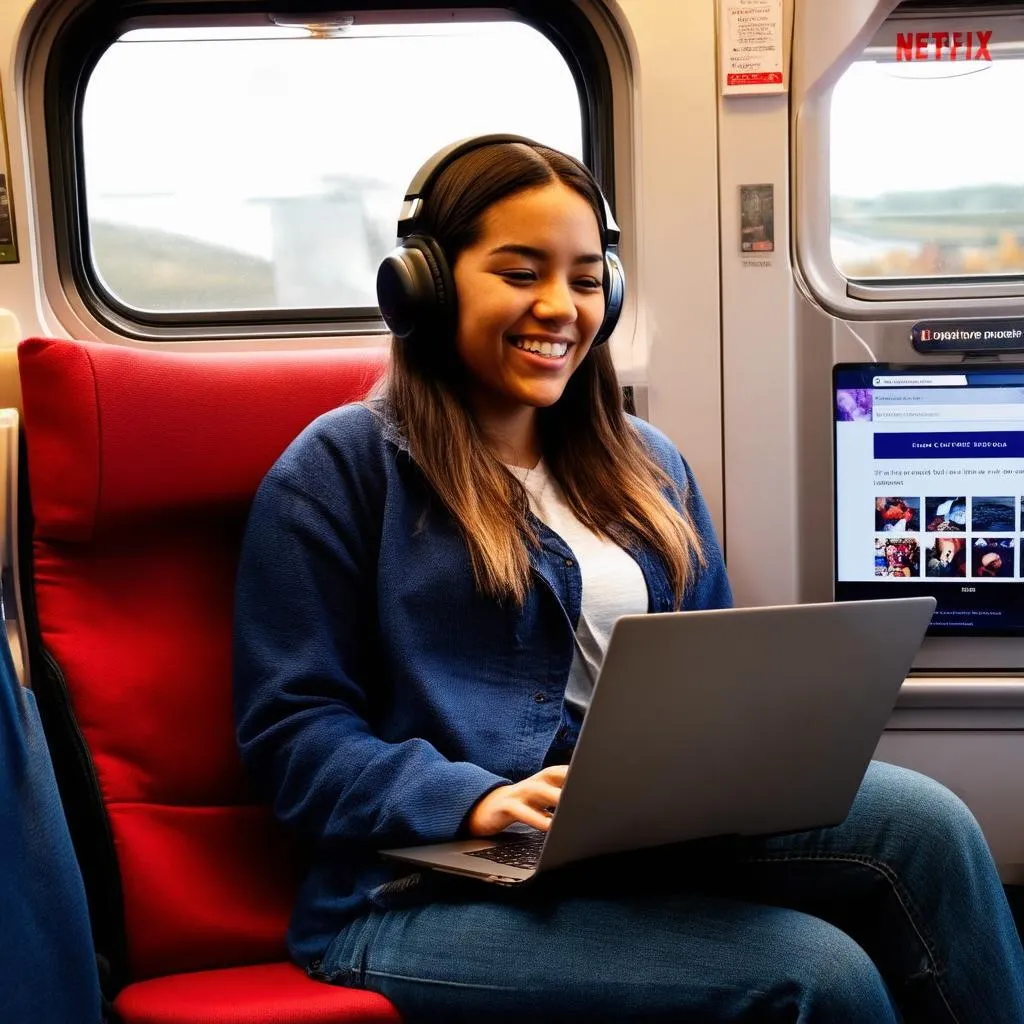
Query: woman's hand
x,y
531,801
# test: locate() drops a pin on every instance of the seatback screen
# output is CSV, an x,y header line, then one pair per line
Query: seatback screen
x,y
929,491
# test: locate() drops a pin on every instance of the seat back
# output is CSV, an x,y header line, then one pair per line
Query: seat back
x,y
141,466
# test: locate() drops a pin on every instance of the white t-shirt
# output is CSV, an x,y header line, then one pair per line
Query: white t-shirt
x,y
613,584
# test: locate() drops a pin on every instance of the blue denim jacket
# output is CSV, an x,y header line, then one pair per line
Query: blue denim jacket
x,y
378,695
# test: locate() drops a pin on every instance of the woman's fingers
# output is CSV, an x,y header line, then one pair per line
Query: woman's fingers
x,y
542,795
554,774
531,816
537,797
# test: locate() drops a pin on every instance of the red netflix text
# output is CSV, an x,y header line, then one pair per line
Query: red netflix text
x,y
943,45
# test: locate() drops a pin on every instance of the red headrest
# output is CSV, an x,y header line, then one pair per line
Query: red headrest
x,y
115,432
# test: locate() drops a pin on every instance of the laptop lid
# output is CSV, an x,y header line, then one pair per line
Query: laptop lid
x,y
739,721
929,479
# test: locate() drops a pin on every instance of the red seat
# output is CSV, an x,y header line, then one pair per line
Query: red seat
x,y
141,466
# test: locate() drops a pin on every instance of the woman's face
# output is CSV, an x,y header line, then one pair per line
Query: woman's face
x,y
530,298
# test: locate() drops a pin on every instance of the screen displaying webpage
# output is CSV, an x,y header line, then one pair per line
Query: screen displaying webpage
x,y
929,491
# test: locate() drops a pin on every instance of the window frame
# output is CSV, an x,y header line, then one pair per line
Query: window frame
x,y
891,298
83,32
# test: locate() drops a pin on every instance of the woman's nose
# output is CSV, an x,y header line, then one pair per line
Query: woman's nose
x,y
555,301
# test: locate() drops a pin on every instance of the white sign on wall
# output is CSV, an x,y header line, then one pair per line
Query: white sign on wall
x,y
750,38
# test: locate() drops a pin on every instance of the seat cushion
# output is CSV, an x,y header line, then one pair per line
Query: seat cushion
x,y
266,994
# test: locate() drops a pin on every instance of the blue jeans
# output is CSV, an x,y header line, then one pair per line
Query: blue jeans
x,y
896,914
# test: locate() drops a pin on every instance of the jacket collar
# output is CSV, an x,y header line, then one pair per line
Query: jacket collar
x,y
389,428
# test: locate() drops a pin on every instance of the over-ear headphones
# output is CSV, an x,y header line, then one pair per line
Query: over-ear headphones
x,y
415,287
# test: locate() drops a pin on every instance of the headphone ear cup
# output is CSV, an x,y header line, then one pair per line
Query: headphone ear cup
x,y
614,296
399,284
441,315
415,289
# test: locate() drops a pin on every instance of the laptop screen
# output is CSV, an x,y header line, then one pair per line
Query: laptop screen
x,y
929,489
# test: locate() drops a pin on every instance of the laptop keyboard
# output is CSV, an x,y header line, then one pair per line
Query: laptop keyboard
x,y
518,853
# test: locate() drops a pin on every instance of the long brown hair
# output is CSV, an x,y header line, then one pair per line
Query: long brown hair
x,y
609,481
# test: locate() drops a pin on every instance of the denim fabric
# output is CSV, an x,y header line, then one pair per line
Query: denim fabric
x,y
47,963
896,914
378,694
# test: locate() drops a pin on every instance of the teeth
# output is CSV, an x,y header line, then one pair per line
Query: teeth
x,y
550,350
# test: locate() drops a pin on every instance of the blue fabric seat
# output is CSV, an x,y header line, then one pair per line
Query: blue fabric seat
x,y
48,969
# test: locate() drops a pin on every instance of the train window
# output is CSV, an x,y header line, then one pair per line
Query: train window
x,y
251,173
926,170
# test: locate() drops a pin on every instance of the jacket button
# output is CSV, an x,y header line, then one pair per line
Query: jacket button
x,y
540,698
569,563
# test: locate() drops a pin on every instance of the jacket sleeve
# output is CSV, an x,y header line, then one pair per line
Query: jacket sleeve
x,y
307,676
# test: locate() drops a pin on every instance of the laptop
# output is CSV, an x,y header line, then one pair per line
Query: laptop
x,y
735,722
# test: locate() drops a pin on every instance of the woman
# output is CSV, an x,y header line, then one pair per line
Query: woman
x,y
426,588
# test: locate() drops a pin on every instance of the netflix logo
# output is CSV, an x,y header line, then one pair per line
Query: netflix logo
x,y
948,46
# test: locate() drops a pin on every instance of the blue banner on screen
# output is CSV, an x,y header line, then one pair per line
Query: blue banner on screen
x,y
1001,444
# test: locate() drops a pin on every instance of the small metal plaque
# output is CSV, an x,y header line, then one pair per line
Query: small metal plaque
x,y
757,218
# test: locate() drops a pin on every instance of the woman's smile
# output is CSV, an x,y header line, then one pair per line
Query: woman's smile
x,y
550,349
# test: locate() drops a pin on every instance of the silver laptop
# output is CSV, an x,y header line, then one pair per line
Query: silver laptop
x,y
747,721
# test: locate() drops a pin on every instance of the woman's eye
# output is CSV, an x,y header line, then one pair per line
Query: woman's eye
x,y
519,276
588,283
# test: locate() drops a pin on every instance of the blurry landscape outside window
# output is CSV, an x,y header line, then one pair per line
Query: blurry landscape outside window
x,y
927,170
246,169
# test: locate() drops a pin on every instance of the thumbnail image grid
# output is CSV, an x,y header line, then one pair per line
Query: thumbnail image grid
x,y
948,536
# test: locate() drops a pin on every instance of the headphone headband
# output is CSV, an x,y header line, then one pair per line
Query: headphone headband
x,y
423,180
